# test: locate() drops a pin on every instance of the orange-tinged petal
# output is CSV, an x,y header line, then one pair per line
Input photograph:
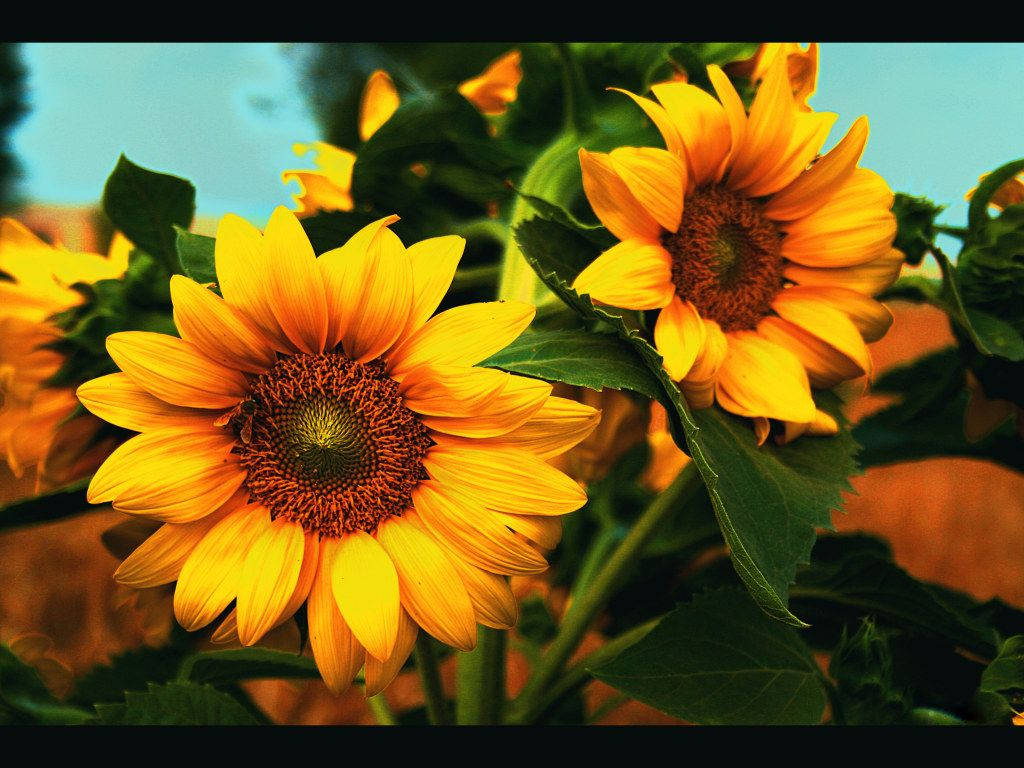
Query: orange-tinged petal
x,y
759,378
496,87
317,192
679,336
612,201
472,532
871,317
542,530
825,322
337,653
823,425
503,479
378,103
557,426
433,263
703,127
661,120
269,575
512,403
699,384
809,134
122,402
297,298
492,599
171,475
656,178
432,592
735,114
223,335
633,274
450,390
176,371
869,279
379,674
826,366
463,335
812,189
366,590
208,581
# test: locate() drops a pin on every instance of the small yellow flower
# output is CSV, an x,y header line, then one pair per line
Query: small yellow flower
x,y
497,86
1011,192
317,436
801,64
761,256
35,284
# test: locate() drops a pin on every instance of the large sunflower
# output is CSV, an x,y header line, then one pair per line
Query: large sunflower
x,y
316,436
37,431
761,255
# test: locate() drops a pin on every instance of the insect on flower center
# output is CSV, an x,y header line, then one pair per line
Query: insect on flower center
x,y
328,443
726,258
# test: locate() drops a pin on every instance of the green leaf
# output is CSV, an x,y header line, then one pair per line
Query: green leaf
x,y
176,704
915,219
233,665
145,206
132,670
866,692
977,212
768,500
195,254
1001,693
25,700
721,661
592,360
64,502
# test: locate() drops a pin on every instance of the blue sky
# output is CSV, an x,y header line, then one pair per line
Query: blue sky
x,y
225,116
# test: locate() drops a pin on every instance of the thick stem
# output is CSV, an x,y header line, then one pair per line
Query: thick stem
x,y
481,679
589,604
430,677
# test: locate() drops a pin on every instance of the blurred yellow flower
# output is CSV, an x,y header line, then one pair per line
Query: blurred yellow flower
x,y
1011,192
497,86
801,63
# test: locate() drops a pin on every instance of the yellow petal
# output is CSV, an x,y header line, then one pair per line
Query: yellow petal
x,y
122,402
379,674
810,190
612,201
366,590
269,576
735,114
433,263
171,475
679,336
828,324
496,87
432,592
869,279
219,332
176,371
759,378
472,533
556,427
702,125
492,599
823,425
633,274
297,296
508,401
463,335
378,103
699,384
656,178
543,531
337,653
809,134
871,317
762,428
209,579
503,479
661,120
342,273
317,192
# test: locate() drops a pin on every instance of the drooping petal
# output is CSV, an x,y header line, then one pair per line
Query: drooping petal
x,y
432,592
823,425
463,335
176,371
223,335
366,590
433,263
542,530
702,125
473,533
379,674
378,103
269,575
503,479
871,317
825,322
298,300
337,653
509,402
656,178
208,581
661,120
122,402
612,201
869,279
759,378
492,599
679,336
699,384
633,274
556,427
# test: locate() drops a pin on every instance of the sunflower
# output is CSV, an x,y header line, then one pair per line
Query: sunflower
x,y
316,436
37,430
329,187
761,255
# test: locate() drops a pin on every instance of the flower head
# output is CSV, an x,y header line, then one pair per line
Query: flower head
x,y
316,436
36,428
761,256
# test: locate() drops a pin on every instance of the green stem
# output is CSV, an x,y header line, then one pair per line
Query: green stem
x,y
584,610
381,711
481,679
474,277
928,716
430,678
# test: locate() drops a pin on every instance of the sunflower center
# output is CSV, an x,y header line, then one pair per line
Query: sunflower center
x,y
726,258
328,443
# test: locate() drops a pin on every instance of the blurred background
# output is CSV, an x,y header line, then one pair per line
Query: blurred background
x,y
225,116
